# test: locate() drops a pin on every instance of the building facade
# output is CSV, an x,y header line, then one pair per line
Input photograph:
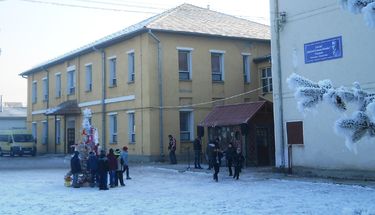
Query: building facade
x,y
152,79
318,40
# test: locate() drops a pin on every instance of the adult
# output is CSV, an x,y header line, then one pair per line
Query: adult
x,y
112,163
119,175
217,161
197,152
238,160
92,166
210,154
124,156
229,154
75,167
103,169
172,149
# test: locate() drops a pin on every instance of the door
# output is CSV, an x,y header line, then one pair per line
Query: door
x,y
71,139
262,146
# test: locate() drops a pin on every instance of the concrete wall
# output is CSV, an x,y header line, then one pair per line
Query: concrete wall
x,y
309,21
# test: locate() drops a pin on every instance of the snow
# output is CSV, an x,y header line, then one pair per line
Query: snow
x,y
158,189
369,15
366,7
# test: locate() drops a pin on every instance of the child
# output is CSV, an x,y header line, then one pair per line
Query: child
x,y
238,161
75,166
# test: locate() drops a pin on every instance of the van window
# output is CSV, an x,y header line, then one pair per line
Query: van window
x,y
23,138
4,138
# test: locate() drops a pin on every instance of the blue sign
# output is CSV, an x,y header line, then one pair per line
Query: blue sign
x,y
322,50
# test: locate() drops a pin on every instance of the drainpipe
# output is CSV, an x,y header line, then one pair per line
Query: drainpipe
x,y
102,52
279,23
160,84
47,104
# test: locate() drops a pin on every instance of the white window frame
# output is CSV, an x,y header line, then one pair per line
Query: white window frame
x,y
58,131
44,132
88,77
113,128
34,92
34,130
112,63
190,125
189,62
58,85
268,79
222,65
71,80
246,67
45,88
131,126
131,66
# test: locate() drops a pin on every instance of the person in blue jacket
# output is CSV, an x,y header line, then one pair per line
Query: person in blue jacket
x,y
75,166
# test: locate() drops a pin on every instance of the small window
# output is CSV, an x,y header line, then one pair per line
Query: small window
x,y
34,91
113,128
88,69
184,66
71,82
295,132
217,66
267,80
186,125
131,127
112,72
45,133
58,86
131,71
45,89
246,68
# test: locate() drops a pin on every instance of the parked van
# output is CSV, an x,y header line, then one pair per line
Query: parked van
x,y
17,142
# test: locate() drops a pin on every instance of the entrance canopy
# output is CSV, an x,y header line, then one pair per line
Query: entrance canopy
x,y
232,114
69,107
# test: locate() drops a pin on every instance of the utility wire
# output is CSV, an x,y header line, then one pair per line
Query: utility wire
x,y
88,7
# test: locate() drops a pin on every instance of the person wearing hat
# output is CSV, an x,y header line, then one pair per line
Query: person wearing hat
x,y
119,176
125,162
103,169
75,166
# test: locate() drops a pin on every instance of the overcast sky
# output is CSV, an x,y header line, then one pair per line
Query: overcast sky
x,y
34,31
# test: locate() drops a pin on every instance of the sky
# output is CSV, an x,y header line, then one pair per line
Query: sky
x,y
34,31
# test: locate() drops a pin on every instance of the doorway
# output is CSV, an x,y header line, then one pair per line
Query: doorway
x,y
263,146
70,135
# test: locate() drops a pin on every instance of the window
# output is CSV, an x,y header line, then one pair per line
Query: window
x,y
131,127
131,71
58,85
246,68
267,80
88,69
34,92
45,89
58,132
217,63
71,82
186,125
112,72
44,132
294,132
34,130
184,64
113,128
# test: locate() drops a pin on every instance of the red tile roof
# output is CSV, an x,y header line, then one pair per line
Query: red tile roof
x,y
232,114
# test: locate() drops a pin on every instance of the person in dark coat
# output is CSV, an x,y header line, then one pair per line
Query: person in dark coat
x,y
229,154
112,163
75,166
238,160
92,166
103,169
217,160
172,149
197,152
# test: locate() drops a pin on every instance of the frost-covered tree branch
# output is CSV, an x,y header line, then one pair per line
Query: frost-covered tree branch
x,y
309,94
366,7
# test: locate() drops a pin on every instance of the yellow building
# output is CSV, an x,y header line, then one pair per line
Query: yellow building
x,y
154,78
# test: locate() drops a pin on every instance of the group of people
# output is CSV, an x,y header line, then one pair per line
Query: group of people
x,y
114,164
234,157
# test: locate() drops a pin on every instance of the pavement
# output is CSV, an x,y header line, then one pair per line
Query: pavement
x,y
53,161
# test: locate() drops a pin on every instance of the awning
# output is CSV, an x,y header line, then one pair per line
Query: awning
x,y
232,114
69,107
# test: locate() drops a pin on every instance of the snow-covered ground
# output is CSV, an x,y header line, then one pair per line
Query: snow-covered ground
x,y
157,189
